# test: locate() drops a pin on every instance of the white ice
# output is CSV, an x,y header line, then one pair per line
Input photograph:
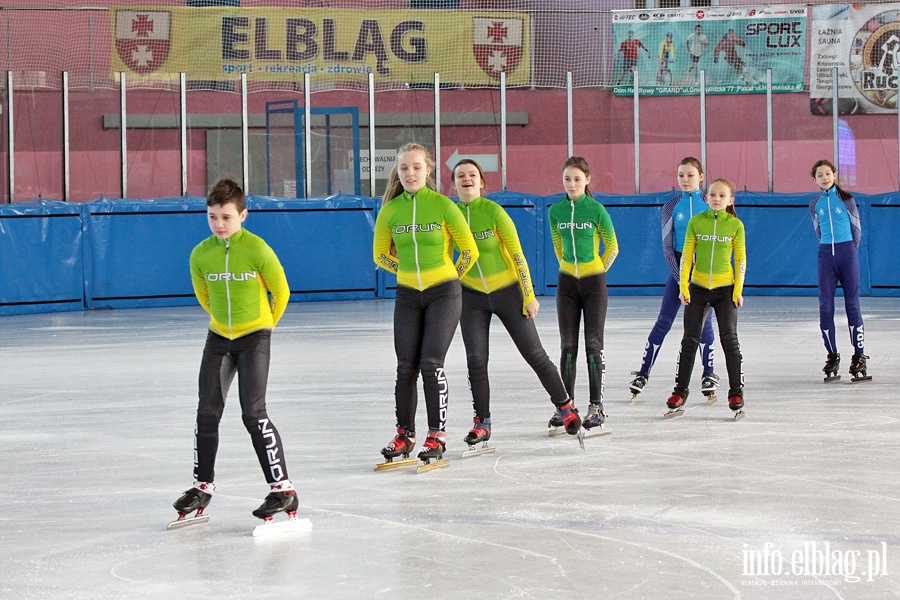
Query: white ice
x,y
98,414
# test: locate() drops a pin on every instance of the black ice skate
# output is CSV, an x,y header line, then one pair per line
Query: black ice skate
x,y
637,384
565,420
479,434
858,368
433,450
832,364
736,403
278,501
401,445
195,499
676,405
593,423
708,386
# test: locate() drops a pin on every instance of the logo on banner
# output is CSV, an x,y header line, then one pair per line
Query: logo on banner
x,y
497,44
876,76
142,39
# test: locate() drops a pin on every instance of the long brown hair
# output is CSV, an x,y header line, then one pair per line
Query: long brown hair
x,y
394,185
579,163
842,194
727,183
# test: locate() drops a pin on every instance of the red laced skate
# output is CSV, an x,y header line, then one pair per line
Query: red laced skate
x,y
675,401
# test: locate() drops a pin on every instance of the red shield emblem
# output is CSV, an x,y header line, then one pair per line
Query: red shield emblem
x,y
142,39
497,44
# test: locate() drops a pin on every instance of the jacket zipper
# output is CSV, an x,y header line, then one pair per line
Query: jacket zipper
x,y
712,253
830,221
228,290
574,249
416,244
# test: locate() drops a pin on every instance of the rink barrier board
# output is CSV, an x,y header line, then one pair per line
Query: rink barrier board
x,y
113,253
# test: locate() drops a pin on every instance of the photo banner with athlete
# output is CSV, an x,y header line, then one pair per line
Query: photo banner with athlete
x,y
335,45
863,42
735,46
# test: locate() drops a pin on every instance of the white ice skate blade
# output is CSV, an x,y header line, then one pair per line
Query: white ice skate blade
x,y
739,415
711,399
557,431
860,379
387,465
434,464
187,521
834,379
596,432
675,413
281,527
472,451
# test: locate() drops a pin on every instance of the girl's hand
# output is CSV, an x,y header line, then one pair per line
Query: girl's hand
x,y
684,299
532,308
740,301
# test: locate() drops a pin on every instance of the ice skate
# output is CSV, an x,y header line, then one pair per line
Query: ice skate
x,y
402,446
832,364
593,423
708,386
676,405
432,453
195,499
565,420
637,384
279,500
736,403
858,368
479,434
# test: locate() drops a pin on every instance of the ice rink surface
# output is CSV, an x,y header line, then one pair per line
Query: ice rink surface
x,y
799,500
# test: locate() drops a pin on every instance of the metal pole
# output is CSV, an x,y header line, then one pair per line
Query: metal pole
x,y
703,118
437,131
834,118
503,130
245,136
637,136
372,135
571,131
123,134
10,141
182,82
307,136
66,150
898,144
770,142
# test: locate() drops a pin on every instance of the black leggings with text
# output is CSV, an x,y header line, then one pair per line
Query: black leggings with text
x,y
575,297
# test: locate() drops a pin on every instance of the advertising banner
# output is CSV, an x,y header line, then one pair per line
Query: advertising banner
x,y
861,43
734,46
281,44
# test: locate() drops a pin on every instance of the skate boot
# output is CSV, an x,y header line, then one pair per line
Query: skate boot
x,y
708,386
277,501
593,423
858,368
736,403
480,433
637,384
195,499
832,364
676,403
401,446
433,450
565,419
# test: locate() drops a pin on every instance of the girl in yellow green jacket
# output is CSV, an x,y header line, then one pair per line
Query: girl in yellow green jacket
x,y
499,284
415,233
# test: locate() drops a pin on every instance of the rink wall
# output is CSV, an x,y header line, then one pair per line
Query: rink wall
x,y
134,253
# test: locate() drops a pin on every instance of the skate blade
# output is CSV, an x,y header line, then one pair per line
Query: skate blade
x,y
557,431
739,415
186,522
597,432
472,451
711,399
393,464
434,464
834,379
634,398
281,527
863,378
675,413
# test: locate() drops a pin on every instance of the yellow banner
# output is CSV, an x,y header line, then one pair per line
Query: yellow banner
x,y
279,44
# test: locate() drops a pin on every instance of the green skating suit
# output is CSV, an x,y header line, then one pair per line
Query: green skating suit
x,y
713,235
577,228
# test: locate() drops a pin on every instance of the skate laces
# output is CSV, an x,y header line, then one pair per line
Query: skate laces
x,y
435,439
